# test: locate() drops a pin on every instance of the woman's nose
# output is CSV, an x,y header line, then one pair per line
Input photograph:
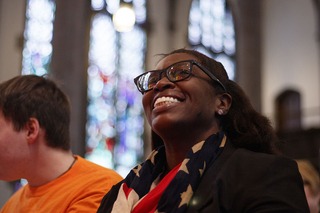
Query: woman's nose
x,y
163,84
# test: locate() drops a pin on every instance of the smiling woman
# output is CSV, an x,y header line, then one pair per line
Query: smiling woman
x,y
212,151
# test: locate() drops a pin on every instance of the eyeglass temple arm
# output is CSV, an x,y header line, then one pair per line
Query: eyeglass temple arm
x,y
211,75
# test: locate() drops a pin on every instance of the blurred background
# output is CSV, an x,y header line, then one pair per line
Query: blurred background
x,y
95,48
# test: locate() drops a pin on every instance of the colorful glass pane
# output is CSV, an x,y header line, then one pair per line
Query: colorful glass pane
x,y
115,121
38,35
211,31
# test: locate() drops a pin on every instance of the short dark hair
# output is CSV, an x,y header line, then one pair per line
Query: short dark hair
x,y
30,96
245,127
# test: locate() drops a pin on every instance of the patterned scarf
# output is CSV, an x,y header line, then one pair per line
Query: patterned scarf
x,y
177,195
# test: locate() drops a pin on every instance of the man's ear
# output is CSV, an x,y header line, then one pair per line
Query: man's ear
x,y
32,130
225,101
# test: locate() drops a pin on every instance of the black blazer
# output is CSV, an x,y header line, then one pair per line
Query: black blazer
x,y
243,181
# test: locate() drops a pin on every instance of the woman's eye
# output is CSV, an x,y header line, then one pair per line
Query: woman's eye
x,y
151,82
180,74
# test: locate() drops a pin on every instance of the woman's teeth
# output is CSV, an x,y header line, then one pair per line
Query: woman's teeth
x,y
165,100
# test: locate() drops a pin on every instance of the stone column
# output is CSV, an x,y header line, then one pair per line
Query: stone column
x,y
70,61
247,18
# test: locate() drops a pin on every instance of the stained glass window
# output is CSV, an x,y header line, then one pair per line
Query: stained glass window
x,y
38,35
211,31
115,121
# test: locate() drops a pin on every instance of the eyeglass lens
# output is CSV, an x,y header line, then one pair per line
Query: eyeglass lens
x,y
175,72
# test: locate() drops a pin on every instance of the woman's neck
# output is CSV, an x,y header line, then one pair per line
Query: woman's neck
x,y
178,145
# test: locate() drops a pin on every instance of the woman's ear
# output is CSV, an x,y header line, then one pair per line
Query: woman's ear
x,y
225,101
32,130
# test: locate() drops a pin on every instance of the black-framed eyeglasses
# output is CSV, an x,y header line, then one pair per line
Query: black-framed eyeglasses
x,y
175,72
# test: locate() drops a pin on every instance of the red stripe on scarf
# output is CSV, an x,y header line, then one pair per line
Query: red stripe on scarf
x,y
150,201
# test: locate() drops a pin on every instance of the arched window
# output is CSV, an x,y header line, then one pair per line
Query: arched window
x,y
115,121
38,36
211,31
288,109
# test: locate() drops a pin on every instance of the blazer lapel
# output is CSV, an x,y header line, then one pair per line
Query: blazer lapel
x,y
207,193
